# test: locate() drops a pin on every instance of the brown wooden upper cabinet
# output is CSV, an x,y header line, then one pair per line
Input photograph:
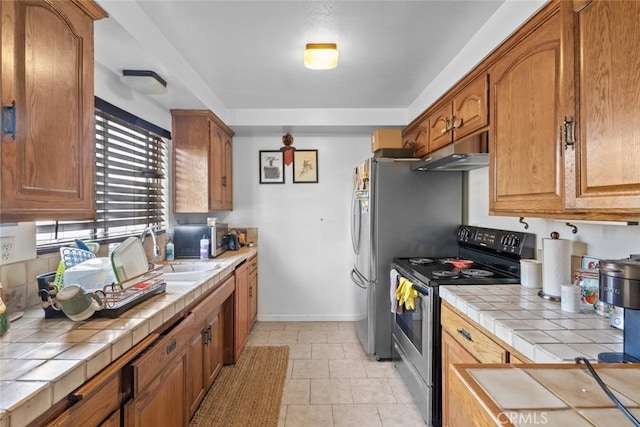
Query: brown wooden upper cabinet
x,y
417,135
525,163
460,116
602,102
47,109
564,140
202,162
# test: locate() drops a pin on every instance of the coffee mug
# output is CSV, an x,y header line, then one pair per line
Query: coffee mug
x,y
77,304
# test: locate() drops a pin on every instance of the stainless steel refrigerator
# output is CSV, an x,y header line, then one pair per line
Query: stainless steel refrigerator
x,y
396,212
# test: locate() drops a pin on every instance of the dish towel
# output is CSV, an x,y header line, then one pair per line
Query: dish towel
x,y
405,294
392,290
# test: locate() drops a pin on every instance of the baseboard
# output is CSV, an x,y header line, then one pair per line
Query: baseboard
x,y
307,318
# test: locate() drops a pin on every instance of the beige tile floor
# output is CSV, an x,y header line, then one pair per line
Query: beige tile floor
x,y
331,381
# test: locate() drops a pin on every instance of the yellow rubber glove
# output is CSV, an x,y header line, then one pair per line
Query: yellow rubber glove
x,y
405,294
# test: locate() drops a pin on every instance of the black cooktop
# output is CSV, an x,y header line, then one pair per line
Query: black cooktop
x,y
440,271
495,254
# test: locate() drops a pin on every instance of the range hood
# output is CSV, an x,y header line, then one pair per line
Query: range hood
x,y
467,154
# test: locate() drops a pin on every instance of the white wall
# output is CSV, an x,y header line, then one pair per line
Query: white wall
x,y
598,239
303,229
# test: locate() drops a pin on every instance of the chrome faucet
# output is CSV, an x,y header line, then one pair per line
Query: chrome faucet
x,y
156,249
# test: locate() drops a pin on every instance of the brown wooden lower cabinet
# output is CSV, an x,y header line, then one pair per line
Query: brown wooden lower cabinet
x,y
206,350
163,379
95,401
113,420
464,342
162,402
452,353
241,313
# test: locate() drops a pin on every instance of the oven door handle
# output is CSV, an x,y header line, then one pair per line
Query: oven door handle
x,y
421,290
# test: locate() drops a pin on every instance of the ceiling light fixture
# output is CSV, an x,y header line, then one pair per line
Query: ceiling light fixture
x,y
144,81
321,56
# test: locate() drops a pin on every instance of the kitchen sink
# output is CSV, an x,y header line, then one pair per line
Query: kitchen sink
x,y
188,271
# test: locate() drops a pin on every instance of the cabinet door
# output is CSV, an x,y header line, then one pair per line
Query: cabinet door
x,y
417,137
602,168
470,109
216,167
253,290
213,350
227,177
452,353
241,301
47,79
440,127
195,388
221,171
162,403
525,164
190,140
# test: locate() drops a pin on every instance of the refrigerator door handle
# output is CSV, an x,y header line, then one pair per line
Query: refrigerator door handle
x,y
357,278
355,224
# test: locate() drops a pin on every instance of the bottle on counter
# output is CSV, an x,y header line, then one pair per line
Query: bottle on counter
x,y
168,250
204,247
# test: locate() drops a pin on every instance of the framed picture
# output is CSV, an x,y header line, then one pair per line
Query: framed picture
x,y
305,166
271,167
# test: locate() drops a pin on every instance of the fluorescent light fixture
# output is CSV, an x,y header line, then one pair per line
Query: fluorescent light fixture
x,y
144,81
321,56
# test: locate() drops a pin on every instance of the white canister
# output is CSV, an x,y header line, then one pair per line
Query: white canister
x,y
570,298
531,273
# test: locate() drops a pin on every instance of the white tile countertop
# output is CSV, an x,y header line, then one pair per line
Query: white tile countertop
x,y
556,394
533,326
43,360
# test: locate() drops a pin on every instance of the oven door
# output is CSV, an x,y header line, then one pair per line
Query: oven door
x,y
413,332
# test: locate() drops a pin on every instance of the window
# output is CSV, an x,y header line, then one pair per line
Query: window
x,y
131,184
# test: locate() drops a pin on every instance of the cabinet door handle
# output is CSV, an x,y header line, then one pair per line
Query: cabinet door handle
x,y
569,133
457,125
224,181
209,335
172,345
446,125
251,291
9,120
465,334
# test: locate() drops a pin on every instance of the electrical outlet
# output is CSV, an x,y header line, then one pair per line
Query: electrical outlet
x,y
7,247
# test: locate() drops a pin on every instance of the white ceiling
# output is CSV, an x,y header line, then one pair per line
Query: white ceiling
x,y
236,55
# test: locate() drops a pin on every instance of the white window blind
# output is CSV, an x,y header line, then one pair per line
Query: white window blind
x,y
130,179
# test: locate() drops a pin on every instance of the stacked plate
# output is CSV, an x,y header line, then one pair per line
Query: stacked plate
x,y
129,259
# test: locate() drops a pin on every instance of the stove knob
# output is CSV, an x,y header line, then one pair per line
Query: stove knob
x,y
515,242
465,233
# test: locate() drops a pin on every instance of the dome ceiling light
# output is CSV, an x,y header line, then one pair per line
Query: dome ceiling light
x,y
321,56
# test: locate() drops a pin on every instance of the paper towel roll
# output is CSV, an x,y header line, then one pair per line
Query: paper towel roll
x,y
556,265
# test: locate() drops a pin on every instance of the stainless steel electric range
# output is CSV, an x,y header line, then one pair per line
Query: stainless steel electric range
x,y
485,256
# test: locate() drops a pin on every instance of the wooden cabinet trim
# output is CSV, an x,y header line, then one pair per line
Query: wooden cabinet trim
x,y
204,113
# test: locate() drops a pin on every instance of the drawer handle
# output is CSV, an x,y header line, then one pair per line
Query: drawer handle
x,y
465,334
172,346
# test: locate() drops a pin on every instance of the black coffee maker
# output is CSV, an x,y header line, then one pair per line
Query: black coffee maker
x,y
620,286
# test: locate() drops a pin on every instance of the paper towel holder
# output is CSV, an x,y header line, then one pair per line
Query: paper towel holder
x,y
548,297
554,235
